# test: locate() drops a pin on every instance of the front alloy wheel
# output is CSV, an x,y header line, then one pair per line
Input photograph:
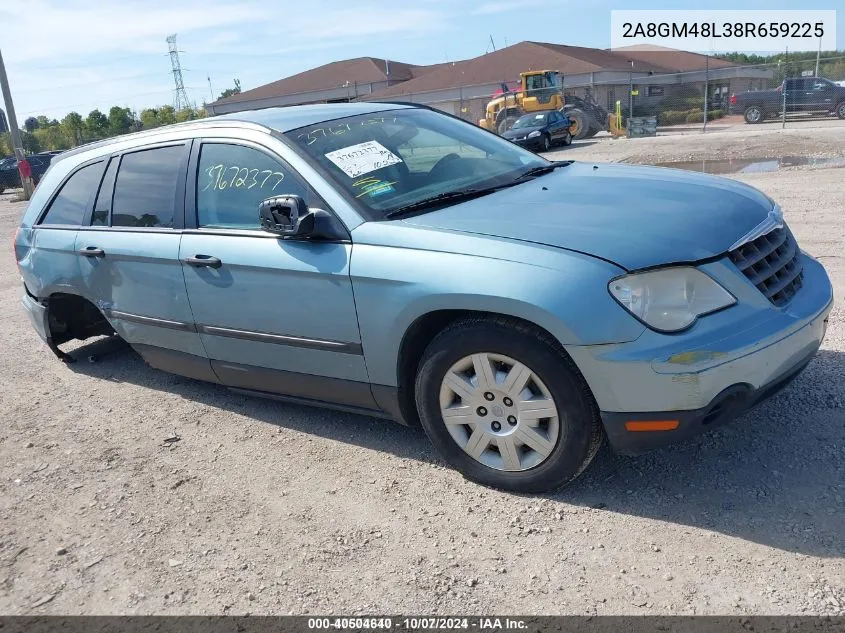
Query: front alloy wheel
x,y
547,143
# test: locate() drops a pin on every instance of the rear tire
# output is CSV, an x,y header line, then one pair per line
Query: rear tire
x,y
531,367
840,110
754,115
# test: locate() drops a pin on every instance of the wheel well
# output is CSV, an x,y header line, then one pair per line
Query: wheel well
x,y
421,333
74,317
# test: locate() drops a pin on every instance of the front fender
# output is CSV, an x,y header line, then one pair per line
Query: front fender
x,y
562,292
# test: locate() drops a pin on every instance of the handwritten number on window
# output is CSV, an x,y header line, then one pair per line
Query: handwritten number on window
x,y
222,177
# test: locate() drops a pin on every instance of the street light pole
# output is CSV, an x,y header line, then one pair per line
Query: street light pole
x,y
13,126
818,54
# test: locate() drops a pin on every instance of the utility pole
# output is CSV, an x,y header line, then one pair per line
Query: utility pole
x,y
818,54
180,97
210,89
14,131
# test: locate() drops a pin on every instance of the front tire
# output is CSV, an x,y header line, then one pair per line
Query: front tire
x,y
567,140
506,407
547,143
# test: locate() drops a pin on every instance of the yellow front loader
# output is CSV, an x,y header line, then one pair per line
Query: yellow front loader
x,y
540,91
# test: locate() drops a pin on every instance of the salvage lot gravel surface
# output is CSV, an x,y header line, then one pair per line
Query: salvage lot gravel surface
x,y
268,508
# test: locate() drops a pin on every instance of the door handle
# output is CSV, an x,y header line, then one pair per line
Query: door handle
x,y
200,261
92,251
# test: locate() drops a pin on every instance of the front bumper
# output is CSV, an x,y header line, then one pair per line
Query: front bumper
x,y
722,366
529,143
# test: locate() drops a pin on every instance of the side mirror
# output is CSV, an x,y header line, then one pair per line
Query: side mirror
x,y
286,215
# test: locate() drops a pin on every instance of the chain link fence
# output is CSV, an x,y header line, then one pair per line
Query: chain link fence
x,y
711,98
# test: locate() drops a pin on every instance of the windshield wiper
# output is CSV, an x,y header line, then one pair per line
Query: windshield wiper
x,y
543,169
440,198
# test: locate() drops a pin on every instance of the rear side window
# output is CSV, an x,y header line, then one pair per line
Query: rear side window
x,y
145,192
74,198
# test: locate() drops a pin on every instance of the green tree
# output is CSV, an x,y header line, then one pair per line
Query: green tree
x,y
53,137
166,115
120,120
231,91
74,126
96,125
149,118
31,124
30,142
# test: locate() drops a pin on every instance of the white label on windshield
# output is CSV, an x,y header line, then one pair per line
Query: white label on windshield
x,y
363,158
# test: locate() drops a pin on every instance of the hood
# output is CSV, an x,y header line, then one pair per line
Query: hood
x,y
523,131
635,217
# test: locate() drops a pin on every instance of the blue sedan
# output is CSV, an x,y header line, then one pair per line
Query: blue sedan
x,y
395,261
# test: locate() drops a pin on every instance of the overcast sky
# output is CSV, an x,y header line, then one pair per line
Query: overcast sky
x,y
64,55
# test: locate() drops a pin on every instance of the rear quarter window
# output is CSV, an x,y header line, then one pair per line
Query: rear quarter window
x,y
75,197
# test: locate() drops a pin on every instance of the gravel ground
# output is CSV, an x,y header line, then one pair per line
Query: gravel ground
x,y
268,508
762,141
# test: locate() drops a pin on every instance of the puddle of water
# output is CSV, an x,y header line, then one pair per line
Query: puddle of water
x,y
753,165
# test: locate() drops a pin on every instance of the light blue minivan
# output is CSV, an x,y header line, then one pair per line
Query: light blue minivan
x,y
395,261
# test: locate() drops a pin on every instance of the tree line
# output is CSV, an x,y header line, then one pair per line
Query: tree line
x,y
41,134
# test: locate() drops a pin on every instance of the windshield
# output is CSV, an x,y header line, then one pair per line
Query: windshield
x,y
389,160
530,120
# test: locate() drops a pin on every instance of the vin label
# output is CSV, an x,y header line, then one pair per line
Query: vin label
x,y
743,31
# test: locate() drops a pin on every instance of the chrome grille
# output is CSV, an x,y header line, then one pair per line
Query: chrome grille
x,y
772,262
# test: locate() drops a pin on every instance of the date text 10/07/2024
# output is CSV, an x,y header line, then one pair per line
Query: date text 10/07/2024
x,y
419,623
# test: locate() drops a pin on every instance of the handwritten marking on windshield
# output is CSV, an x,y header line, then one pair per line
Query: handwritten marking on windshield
x,y
341,128
222,177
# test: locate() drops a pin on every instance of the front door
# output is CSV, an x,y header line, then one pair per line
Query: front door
x,y
275,315
129,258
557,128
798,95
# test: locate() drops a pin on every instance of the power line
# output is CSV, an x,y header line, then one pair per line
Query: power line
x,y
180,97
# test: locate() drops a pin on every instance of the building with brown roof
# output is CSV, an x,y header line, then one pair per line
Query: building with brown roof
x,y
345,80
464,87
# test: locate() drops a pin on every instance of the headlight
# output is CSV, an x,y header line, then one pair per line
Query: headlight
x,y
670,299
534,134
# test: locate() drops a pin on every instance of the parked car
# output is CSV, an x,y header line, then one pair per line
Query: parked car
x,y
10,177
540,130
798,94
399,262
